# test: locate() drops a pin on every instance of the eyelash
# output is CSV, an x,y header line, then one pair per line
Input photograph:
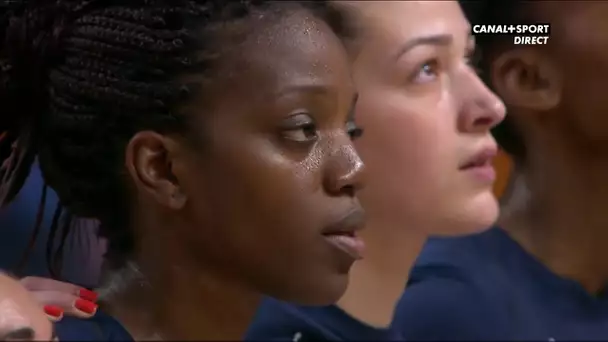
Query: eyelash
x,y
353,130
471,59
308,132
430,65
304,133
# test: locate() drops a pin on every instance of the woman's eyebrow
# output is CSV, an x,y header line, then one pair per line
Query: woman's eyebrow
x,y
435,39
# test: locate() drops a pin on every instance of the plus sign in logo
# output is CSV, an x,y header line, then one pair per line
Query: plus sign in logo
x,y
532,34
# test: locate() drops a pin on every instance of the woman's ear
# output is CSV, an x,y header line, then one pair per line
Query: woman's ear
x,y
150,159
524,78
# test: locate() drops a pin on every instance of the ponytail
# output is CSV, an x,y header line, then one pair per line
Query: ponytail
x,y
30,42
30,35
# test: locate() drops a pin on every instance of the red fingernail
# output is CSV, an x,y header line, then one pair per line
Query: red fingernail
x,y
89,295
85,306
53,311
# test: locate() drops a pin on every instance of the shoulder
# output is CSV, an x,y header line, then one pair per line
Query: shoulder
x,y
281,321
462,251
101,327
479,259
446,309
454,292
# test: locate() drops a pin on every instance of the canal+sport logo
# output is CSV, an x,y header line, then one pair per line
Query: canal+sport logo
x,y
523,34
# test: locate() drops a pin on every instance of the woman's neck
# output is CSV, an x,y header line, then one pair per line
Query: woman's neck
x,y
377,281
557,212
169,302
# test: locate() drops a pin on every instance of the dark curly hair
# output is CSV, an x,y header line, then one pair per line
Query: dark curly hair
x,y
79,78
494,12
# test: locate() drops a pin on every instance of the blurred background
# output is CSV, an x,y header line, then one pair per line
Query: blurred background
x,y
503,167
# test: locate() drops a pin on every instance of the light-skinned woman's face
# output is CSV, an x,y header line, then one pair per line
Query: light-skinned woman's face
x,y
427,118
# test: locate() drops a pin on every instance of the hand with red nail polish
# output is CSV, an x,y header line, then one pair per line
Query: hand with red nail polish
x,y
58,296
54,313
87,307
22,318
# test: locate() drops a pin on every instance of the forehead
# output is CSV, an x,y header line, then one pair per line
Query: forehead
x,y
401,20
298,45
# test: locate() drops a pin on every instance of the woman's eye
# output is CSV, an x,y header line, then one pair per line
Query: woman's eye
x,y
427,72
353,130
300,128
302,133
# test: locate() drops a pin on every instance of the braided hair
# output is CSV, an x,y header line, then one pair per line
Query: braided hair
x,y
79,78
506,12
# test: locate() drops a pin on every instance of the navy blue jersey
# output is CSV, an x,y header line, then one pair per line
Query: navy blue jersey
x,y
101,327
280,321
486,287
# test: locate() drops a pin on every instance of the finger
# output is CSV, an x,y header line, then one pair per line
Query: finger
x,y
46,284
54,313
70,304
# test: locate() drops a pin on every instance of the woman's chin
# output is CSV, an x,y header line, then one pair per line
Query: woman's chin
x,y
469,217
